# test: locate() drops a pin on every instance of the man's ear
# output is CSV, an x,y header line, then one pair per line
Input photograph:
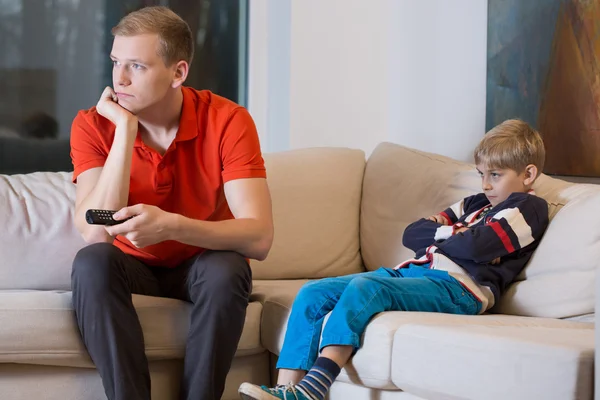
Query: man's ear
x,y
182,68
531,173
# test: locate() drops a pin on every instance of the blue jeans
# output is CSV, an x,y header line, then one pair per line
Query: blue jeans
x,y
354,299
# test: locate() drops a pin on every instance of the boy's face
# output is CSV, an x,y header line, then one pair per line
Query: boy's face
x,y
140,76
499,183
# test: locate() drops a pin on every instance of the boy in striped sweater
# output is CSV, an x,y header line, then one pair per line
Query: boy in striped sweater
x,y
466,256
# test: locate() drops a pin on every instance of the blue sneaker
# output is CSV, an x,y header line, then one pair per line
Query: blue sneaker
x,y
248,391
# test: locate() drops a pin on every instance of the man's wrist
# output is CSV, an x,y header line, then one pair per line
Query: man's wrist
x,y
175,224
130,122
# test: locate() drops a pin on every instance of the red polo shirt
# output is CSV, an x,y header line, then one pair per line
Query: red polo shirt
x,y
216,142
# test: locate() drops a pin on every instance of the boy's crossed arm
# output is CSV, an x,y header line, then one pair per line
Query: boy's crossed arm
x,y
426,231
509,231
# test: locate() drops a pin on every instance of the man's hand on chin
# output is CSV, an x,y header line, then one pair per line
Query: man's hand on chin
x,y
148,225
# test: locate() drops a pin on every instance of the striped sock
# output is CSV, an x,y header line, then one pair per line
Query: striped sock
x,y
319,379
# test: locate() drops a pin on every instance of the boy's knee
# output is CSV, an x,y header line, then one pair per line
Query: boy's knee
x,y
364,284
311,290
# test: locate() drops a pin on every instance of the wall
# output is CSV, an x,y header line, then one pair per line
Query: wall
x,y
353,73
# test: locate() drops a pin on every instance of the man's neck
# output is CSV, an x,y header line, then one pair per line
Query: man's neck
x,y
161,120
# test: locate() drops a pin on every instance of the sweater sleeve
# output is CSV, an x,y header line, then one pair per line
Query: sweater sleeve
x,y
519,223
423,233
455,211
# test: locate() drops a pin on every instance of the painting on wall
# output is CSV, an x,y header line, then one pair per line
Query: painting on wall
x,y
543,66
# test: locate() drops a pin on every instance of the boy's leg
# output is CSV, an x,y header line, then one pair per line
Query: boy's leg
x,y
368,295
300,349
313,302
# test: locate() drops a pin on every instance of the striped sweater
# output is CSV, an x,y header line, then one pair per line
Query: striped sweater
x,y
510,232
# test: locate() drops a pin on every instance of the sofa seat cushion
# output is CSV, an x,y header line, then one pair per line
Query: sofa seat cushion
x,y
372,365
494,362
39,327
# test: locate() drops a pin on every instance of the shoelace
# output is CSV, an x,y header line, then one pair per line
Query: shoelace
x,y
285,389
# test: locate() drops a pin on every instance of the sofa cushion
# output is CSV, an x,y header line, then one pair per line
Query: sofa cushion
x,y
39,327
402,185
39,239
277,297
493,363
559,280
372,364
316,205
316,197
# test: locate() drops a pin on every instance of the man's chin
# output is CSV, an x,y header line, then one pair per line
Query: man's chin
x,y
129,108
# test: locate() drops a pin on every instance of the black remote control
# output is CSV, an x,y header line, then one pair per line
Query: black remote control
x,y
101,217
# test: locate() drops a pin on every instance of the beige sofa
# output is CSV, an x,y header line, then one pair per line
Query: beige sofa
x,y
334,214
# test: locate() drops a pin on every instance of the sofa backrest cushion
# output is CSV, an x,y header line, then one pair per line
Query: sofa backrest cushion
x,y
559,280
316,204
402,185
38,239
316,197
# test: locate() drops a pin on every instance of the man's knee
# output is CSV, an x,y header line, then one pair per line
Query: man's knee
x,y
222,273
94,265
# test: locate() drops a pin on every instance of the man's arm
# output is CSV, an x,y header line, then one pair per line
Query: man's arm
x,y
107,187
250,233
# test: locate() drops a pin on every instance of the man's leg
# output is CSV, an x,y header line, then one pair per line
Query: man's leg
x,y
218,284
103,279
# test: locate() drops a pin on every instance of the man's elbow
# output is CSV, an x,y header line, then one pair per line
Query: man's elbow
x,y
263,246
91,236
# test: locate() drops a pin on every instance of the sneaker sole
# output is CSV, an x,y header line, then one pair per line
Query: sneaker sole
x,y
251,392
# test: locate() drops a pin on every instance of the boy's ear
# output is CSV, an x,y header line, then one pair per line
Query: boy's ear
x,y
531,173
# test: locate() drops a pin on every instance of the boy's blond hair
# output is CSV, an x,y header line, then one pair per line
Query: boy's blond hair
x,y
513,144
175,35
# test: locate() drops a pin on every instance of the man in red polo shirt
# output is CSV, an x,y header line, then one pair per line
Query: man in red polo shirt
x,y
185,167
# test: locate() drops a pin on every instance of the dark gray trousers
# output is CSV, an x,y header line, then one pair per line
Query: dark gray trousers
x,y
217,283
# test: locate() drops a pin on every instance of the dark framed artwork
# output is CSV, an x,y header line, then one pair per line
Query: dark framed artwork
x,y
543,66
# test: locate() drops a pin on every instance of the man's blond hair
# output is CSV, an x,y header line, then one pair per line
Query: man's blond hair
x,y
513,144
175,35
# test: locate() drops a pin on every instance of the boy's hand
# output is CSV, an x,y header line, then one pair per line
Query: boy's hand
x,y
459,230
495,261
439,219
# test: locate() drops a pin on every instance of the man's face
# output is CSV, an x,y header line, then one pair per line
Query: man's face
x,y
499,183
140,76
